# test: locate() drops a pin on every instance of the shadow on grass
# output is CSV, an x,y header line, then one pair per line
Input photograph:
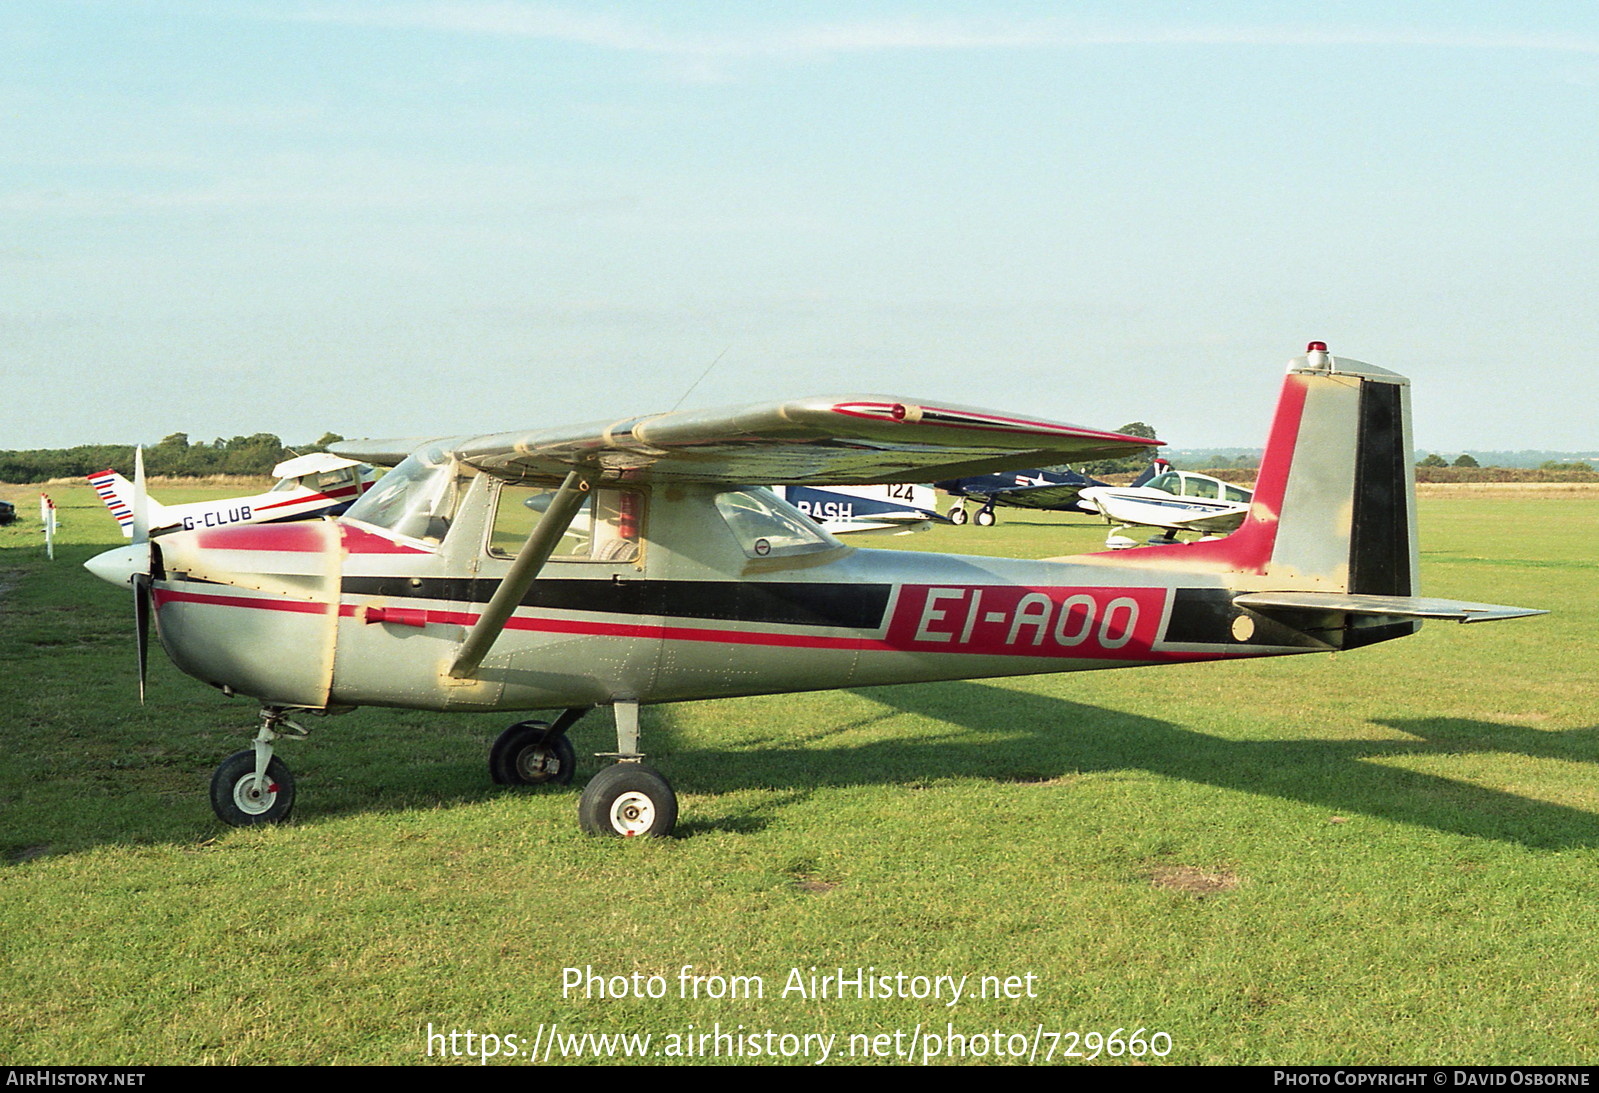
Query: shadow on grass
x,y
979,731
1028,738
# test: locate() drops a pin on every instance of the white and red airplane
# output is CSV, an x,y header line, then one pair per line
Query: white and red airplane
x,y
308,486
631,562
1173,501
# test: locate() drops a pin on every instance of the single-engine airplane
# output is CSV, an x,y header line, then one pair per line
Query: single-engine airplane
x,y
1037,489
659,571
308,486
1173,501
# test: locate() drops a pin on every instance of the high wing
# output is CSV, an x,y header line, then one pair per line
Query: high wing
x,y
850,440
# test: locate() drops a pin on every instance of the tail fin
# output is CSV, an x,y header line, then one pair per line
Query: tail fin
x,y
116,493
1334,506
1329,546
1158,466
1338,482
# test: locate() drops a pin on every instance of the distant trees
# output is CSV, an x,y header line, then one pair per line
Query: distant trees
x,y
173,455
1126,463
1433,460
1465,459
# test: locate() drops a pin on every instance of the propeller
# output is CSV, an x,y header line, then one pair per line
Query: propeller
x,y
140,578
135,565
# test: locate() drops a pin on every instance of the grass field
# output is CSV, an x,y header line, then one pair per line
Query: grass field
x,y
1385,856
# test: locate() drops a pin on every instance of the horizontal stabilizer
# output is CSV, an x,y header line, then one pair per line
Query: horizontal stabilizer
x,y
1412,607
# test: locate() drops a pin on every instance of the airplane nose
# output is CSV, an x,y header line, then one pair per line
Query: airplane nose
x,y
120,564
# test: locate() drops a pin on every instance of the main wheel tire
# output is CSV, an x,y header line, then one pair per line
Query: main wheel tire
x,y
984,518
522,757
239,801
627,800
957,515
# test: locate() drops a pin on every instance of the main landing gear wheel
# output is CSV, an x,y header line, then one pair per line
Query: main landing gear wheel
x,y
627,800
240,800
957,515
522,756
984,518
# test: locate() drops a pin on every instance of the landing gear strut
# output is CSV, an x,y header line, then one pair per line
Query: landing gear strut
x,y
628,798
253,786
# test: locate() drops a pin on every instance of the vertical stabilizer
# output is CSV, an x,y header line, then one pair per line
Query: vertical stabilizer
x,y
1345,505
116,493
1334,506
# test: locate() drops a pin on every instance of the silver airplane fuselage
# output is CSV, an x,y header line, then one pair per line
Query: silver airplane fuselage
x,y
337,614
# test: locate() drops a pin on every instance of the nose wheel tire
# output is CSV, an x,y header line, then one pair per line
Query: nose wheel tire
x,y
627,800
523,757
240,800
957,515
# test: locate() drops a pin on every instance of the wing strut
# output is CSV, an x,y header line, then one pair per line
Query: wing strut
x,y
541,543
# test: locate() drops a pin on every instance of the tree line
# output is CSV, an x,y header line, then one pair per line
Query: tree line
x,y
174,456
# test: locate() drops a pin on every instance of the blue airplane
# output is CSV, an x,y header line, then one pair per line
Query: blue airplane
x,y
1050,491
893,509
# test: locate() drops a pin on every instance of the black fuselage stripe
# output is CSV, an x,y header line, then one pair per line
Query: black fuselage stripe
x,y
796,603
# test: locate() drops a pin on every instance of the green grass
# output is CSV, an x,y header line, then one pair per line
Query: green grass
x,y
1380,856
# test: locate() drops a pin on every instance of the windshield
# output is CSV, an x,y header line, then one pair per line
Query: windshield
x,y
1167,483
416,499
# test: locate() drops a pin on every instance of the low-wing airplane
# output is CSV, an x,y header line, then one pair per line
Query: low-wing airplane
x,y
842,510
1172,500
1041,490
319,484
444,589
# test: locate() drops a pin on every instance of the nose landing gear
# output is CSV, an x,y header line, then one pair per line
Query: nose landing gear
x,y
253,786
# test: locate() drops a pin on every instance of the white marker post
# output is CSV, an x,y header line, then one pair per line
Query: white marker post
x,y
47,518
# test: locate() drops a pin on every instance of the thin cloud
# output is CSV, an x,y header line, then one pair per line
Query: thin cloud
x,y
902,34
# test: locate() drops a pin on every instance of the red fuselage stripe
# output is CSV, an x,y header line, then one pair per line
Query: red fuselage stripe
x,y
587,628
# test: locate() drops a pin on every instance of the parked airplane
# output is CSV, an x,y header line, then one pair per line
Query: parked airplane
x,y
1044,490
319,484
443,589
895,509
1174,501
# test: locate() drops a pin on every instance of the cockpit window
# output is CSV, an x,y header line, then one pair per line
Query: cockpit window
x,y
415,499
606,529
768,527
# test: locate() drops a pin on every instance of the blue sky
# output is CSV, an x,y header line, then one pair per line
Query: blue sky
x,y
412,218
